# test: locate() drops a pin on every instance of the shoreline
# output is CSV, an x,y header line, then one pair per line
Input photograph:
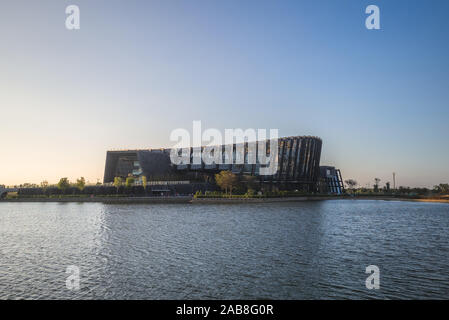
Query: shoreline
x,y
107,200
306,198
192,200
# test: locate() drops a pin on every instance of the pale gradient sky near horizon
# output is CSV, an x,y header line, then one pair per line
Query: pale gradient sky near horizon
x,y
139,69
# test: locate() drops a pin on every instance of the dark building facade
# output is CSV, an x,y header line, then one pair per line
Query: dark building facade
x,y
330,180
298,165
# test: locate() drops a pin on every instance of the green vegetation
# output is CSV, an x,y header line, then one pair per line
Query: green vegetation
x,y
439,191
376,184
117,183
351,183
44,184
442,188
232,186
387,187
144,184
81,183
251,194
226,180
63,184
129,182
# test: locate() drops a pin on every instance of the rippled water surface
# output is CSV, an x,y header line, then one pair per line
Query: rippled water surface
x,y
304,250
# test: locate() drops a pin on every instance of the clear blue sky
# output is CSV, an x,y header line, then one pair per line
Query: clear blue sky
x,y
136,70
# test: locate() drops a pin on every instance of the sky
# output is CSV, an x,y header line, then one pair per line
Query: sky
x,y
136,70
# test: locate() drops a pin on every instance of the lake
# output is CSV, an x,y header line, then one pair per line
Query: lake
x,y
301,250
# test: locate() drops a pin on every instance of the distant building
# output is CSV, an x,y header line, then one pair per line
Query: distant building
x,y
298,166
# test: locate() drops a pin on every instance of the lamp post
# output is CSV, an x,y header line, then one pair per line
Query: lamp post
x,y
394,180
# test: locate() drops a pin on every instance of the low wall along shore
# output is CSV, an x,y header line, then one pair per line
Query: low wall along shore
x,y
206,200
111,200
